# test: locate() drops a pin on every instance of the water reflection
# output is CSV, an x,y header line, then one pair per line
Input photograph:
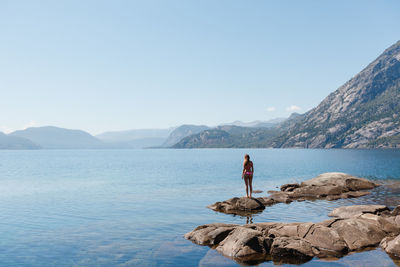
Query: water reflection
x,y
249,219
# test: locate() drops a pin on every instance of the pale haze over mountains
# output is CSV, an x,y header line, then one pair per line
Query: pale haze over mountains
x,y
51,137
362,113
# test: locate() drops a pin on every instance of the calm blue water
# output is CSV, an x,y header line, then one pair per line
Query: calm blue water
x,y
132,207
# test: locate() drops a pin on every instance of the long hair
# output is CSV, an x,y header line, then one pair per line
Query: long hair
x,y
246,159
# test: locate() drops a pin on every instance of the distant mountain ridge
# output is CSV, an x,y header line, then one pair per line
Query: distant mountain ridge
x,y
257,123
229,136
129,135
15,142
362,113
182,132
51,137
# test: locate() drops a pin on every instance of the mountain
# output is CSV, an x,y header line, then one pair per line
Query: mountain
x,y
15,142
256,124
129,135
229,136
140,138
183,131
59,138
362,113
136,143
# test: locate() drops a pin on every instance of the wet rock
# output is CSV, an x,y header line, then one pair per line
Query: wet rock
x,y
351,211
391,245
243,242
280,197
340,179
354,228
326,241
329,186
289,187
359,233
291,247
210,234
396,211
239,206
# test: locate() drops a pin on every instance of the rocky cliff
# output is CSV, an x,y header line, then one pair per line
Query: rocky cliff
x,y
362,113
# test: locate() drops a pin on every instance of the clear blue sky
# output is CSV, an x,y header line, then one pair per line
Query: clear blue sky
x,y
114,65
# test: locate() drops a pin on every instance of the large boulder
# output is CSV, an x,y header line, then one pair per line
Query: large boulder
x,y
350,182
243,242
291,247
210,234
359,233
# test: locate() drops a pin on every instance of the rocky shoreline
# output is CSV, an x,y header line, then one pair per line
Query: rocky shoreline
x,y
351,228
328,186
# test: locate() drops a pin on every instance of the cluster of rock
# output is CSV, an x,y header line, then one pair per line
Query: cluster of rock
x,y
329,186
352,228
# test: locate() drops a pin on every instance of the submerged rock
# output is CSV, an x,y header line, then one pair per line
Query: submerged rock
x,y
329,186
353,228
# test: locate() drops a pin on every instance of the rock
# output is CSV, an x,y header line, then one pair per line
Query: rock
x,y
354,194
391,245
280,197
291,247
340,179
239,206
326,241
243,242
329,186
396,211
351,211
354,228
210,234
289,187
359,233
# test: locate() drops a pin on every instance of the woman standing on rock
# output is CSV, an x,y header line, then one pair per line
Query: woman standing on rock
x,y
247,174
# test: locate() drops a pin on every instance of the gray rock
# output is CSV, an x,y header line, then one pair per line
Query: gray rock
x,y
240,206
350,182
359,233
243,242
326,241
391,245
210,234
291,247
356,210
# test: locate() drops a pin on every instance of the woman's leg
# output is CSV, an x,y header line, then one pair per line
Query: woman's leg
x,y
246,180
251,184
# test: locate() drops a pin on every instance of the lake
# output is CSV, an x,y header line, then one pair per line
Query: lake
x,y
132,207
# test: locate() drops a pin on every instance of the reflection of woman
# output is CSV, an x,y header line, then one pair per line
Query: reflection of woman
x,y
247,174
